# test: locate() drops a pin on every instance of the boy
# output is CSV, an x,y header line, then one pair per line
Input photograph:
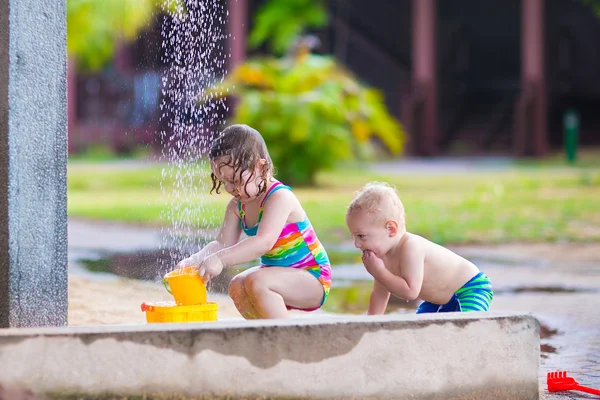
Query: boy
x,y
407,265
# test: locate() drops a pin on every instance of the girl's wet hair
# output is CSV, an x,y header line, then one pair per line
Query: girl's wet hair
x,y
241,148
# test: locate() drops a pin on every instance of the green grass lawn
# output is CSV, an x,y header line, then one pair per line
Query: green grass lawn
x,y
526,203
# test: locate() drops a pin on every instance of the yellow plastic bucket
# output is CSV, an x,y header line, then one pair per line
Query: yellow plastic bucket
x,y
169,312
186,286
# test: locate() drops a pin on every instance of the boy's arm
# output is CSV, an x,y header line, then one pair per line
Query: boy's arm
x,y
408,284
378,300
273,220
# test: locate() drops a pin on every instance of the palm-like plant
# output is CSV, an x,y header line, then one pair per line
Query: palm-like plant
x,y
311,112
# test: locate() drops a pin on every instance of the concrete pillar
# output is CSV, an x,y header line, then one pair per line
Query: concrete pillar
x,y
424,66
72,104
533,74
237,27
33,159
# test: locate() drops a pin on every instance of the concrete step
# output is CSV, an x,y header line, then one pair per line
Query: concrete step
x,y
450,356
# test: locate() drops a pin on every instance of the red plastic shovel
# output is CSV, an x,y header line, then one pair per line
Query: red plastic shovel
x,y
559,381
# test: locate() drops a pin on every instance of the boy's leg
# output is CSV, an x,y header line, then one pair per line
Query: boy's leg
x,y
273,289
240,298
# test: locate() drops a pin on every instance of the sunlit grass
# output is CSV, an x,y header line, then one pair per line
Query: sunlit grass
x,y
518,204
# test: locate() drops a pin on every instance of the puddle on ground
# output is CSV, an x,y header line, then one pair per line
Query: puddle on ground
x,y
151,266
352,297
349,296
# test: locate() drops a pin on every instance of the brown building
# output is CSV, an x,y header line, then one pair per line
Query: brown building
x,y
481,76
466,76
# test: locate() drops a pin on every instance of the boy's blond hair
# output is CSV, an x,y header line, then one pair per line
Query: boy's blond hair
x,y
381,200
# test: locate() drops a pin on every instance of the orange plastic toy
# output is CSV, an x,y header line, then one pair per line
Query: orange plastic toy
x,y
186,286
559,381
189,291
169,312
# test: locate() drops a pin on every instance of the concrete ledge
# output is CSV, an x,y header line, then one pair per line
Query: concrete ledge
x,y
451,356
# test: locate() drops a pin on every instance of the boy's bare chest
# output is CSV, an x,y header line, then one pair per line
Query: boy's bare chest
x,y
394,266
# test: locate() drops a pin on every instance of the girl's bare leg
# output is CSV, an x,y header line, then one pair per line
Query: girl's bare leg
x,y
272,289
240,298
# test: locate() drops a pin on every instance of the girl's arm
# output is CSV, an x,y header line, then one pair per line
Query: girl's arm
x,y
378,300
229,234
230,231
275,216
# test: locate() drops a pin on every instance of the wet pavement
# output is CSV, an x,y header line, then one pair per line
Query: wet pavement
x,y
570,319
561,290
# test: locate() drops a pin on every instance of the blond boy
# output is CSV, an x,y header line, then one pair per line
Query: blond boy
x,y
407,265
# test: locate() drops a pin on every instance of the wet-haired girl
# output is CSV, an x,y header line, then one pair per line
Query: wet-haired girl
x,y
294,270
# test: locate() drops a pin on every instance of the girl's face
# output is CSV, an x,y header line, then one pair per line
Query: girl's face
x,y
242,187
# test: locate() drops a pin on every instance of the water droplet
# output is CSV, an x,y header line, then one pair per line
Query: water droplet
x,y
194,50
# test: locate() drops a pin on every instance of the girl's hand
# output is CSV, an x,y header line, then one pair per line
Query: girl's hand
x,y
372,263
210,267
191,261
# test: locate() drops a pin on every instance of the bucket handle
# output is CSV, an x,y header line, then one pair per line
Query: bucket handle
x,y
167,286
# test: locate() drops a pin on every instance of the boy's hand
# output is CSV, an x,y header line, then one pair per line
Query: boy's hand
x,y
210,267
372,263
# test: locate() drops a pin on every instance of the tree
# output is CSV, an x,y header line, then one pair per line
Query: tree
x,y
94,27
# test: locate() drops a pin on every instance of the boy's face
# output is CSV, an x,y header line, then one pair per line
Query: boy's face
x,y
369,234
244,187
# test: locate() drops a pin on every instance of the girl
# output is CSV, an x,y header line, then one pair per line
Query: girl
x,y
294,270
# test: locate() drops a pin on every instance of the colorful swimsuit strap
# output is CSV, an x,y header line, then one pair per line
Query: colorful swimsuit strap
x,y
272,189
242,207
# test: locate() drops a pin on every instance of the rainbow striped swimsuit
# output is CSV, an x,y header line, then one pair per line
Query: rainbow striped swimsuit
x,y
296,247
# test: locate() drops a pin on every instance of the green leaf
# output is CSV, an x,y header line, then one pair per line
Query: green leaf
x,y
95,26
278,23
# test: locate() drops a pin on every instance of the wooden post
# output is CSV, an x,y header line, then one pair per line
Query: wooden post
x,y
533,75
425,73
237,29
